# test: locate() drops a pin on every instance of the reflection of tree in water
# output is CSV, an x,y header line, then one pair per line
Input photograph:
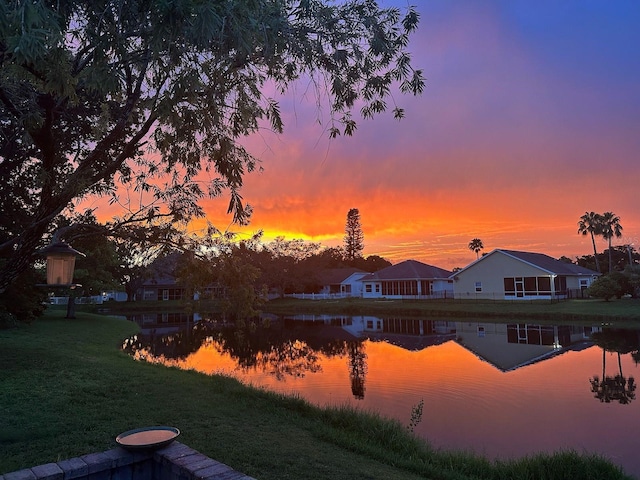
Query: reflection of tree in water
x,y
292,358
169,348
357,368
281,357
616,388
279,352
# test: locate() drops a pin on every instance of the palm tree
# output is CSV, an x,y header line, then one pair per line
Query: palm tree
x,y
476,245
610,227
613,388
591,223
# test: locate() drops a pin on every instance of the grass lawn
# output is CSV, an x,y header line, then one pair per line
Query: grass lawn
x,y
623,313
66,389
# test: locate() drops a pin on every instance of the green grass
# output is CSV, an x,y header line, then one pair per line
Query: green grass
x,y
66,389
622,313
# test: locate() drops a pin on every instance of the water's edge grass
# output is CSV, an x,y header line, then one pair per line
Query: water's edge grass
x,y
66,389
622,313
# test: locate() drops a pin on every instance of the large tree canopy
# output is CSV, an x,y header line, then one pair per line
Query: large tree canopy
x,y
150,93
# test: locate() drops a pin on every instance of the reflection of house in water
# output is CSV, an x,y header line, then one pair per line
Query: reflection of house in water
x,y
335,327
163,322
408,333
511,346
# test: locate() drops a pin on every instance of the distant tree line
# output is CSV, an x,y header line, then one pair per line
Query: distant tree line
x,y
243,273
281,266
244,270
623,276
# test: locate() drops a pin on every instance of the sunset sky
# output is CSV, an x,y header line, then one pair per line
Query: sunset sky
x,y
530,117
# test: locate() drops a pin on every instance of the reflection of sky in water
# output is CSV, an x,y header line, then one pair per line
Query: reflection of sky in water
x,y
468,402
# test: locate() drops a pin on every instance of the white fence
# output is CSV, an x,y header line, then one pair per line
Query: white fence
x,y
318,296
92,300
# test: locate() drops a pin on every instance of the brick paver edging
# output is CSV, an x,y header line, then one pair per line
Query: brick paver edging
x,y
174,462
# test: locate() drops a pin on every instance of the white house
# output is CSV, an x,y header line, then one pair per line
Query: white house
x,y
408,280
513,275
343,282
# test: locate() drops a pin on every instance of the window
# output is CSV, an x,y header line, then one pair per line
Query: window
x,y
478,286
367,288
526,286
530,334
560,284
530,286
544,286
510,287
377,288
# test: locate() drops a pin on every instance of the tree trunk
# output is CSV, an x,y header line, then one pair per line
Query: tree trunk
x,y
595,252
610,257
71,304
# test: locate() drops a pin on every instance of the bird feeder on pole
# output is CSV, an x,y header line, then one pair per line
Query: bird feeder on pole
x,y
61,262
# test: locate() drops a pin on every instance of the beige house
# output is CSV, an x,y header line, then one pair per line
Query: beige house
x,y
514,275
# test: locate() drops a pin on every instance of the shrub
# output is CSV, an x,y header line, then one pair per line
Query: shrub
x,y
604,287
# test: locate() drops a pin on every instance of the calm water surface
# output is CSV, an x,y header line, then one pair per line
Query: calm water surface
x,y
495,389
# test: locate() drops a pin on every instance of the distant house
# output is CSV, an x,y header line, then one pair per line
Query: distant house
x,y
409,279
342,281
162,287
514,275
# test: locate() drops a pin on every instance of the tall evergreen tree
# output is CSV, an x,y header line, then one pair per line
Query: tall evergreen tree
x,y
353,237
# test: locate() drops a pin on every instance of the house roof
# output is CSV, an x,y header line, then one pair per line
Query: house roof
x,y
409,269
551,264
505,365
412,343
335,276
160,281
541,261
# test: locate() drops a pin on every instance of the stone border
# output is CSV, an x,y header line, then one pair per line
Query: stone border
x,y
174,462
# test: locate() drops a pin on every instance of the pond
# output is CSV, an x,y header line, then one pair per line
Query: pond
x,y
501,390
